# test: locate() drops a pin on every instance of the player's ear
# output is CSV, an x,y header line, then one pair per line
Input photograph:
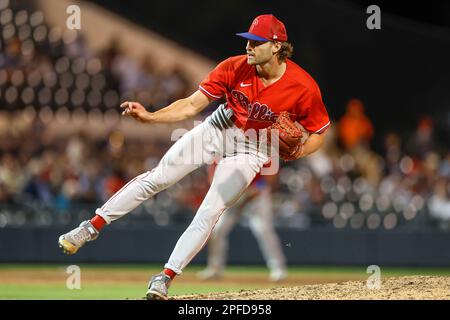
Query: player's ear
x,y
276,47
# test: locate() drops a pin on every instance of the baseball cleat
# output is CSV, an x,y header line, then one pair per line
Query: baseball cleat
x,y
75,239
158,287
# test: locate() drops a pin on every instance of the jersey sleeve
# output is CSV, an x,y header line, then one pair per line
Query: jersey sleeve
x,y
314,118
218,82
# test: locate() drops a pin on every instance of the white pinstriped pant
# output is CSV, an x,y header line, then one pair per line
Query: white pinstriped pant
x,y
240,163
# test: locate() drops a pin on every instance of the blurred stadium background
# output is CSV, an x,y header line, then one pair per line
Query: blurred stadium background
x,y
378,192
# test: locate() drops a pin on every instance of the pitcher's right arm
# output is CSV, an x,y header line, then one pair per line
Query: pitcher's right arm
x,y
177,111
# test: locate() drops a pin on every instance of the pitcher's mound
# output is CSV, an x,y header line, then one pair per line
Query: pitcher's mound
x,y
393,288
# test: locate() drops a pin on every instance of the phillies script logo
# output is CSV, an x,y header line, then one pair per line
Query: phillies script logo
x,y
256,111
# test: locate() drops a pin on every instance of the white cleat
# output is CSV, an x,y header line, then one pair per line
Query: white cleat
x,y
158,287
75,239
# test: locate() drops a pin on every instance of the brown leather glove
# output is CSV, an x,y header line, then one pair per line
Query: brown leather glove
x,y
289,137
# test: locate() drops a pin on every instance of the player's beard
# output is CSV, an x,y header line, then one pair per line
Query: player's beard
x,y
259,54
255,61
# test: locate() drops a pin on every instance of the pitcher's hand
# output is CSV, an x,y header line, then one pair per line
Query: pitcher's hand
x,y
135,110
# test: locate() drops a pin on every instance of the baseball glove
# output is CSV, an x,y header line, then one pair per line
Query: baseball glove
x,y
289,137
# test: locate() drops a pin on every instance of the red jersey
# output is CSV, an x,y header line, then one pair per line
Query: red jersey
x,y
257,106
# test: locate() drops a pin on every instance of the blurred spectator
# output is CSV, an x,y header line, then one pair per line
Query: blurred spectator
x,y
354,127
393,152
439,203
112,183
355,132
12,54
444,168
423,140
11,175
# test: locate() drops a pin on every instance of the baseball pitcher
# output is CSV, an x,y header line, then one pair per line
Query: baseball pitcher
x,y
265,92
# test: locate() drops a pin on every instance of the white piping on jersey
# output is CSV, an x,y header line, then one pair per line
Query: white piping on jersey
x,y
323,127
201,88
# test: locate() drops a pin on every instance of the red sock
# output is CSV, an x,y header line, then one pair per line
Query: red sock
x,y
98,222
170,273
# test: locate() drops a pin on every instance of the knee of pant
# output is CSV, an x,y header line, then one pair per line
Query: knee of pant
x,y
205,220
149,187
205,224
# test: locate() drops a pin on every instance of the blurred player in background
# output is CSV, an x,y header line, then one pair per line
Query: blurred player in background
x,y
256,205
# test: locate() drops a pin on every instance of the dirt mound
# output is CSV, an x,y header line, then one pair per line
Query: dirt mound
x,y
394,288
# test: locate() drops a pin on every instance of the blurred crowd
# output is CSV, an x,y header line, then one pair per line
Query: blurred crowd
x,y
52,67
44,170
47,72
347,184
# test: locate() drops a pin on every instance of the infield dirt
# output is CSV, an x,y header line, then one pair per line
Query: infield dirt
x,y
394,288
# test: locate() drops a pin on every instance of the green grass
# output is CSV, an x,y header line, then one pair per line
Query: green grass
x,y
237,269
60,292
93,291
112,287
